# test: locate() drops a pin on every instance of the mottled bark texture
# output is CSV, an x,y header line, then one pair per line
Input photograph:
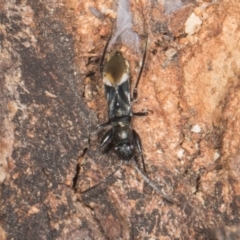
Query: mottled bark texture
x,y
52,99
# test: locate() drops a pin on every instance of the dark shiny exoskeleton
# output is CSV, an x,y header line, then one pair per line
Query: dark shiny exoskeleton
x,y
121,135
125,140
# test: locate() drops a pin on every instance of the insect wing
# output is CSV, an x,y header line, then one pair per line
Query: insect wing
x,y
118,95
111,96
124,93
116,82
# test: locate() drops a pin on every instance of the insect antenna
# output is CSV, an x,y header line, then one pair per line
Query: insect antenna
x,y
104,180
150,183
104,53
135,93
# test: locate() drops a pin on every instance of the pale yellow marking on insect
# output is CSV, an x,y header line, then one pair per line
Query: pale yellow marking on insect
x,y
116,70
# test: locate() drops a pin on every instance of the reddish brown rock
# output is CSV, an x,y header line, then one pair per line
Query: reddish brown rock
x,y
52,99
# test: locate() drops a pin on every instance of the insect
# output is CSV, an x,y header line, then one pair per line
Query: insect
x,y
125,140
121,136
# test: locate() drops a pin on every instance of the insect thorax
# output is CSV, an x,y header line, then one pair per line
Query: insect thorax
x,y
122,133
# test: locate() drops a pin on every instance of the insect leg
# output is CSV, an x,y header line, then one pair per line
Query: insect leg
x,y
104,125
103,181
135,93
137,142
148,181
107,137
140,114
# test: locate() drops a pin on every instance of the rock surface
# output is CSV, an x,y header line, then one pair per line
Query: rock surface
x,y
52,99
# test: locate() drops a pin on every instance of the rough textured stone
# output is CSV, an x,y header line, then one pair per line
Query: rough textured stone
x,y
52,99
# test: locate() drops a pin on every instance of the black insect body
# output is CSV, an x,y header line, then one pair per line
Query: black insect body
x,y
124,139
122,136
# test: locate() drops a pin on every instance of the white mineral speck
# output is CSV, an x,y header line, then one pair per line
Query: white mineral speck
x,y
180,153
196,129
216,155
